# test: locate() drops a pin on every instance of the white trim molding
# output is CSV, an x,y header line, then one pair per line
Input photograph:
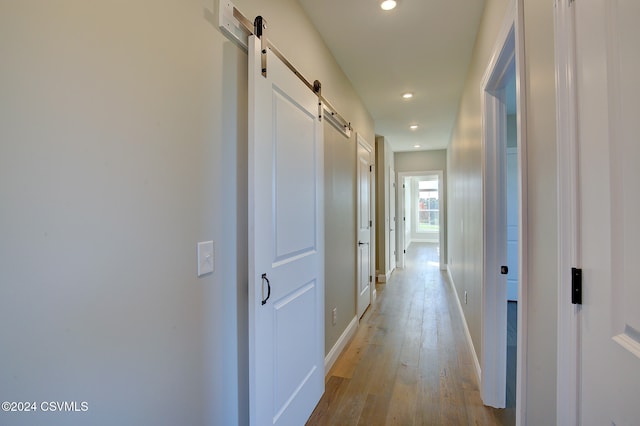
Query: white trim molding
x,y
340,345
523,254
383,278
568,357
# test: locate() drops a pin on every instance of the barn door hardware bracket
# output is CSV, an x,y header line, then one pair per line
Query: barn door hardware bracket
x,y
317,89
260,30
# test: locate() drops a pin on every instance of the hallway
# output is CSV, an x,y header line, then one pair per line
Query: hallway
x,y
409,363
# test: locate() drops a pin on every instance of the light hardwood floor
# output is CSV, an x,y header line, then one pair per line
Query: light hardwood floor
x,y
409,363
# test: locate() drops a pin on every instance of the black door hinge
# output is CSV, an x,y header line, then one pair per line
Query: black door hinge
x,y
576,286
370,168
370,279
370,223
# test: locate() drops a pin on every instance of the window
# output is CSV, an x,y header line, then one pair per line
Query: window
x,y
428,207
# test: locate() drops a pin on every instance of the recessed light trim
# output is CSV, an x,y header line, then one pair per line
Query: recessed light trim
x,y
388,4
416,146
407,95
413,126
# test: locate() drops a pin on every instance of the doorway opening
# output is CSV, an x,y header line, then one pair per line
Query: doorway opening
x,y
420,212
504,217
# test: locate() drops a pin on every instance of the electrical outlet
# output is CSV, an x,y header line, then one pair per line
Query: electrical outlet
x,y
466,297
334,318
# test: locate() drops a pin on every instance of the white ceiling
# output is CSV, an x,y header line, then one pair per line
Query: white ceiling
x,y
422,46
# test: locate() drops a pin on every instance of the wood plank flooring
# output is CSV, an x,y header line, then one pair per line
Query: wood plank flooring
x,y
409,363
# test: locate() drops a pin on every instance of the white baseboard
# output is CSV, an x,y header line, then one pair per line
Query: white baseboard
x,y
342,342
425,240
383,278
474,355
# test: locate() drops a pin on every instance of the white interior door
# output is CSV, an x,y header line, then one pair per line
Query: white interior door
x,y
512,223
286,245
404,219
608,66
364,229
408,211
392,220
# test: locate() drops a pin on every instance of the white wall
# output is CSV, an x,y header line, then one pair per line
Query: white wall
x,y
542,212
340,234
465,201
123,135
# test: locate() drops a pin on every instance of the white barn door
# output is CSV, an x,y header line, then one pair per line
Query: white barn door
x,y
608,66
286,245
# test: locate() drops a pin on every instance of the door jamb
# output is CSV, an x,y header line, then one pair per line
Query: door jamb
x,y
393,221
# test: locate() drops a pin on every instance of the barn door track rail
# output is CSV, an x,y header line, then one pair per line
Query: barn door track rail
x,y
237,27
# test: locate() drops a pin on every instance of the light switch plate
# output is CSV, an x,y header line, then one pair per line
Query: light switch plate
x,y
205,258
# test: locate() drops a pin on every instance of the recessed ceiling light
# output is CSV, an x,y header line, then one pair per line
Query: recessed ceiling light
x,y
416,146
407,95
388,4
413,126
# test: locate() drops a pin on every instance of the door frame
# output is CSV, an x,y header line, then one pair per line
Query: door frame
x,y
393,219
568,355
401,202
508,52
361,141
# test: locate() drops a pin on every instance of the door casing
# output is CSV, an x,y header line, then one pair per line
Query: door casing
x,y
362,143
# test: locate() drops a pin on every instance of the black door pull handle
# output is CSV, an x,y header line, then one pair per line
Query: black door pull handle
x,y
264,278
